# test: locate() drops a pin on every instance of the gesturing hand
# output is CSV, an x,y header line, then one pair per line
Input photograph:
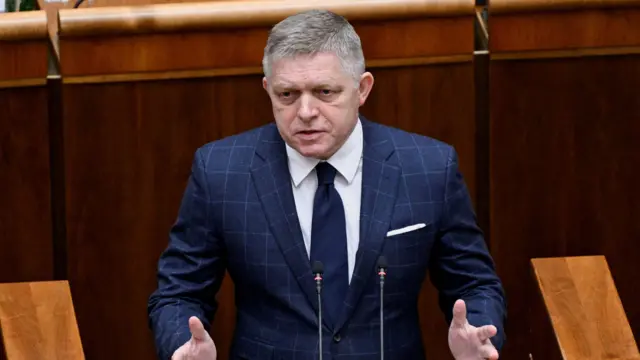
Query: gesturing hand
x,y
468,342
199,347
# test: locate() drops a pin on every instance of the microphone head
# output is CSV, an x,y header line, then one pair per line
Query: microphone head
x,y
382,262
317,267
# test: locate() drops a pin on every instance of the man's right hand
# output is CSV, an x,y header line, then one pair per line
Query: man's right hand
x,y
199,347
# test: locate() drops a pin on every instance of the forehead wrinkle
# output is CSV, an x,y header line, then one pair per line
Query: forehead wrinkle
x,y
319,70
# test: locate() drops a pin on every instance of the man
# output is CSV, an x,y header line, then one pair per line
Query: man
x,y
323,184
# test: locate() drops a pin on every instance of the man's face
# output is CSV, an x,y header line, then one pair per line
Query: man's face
x,y
315,102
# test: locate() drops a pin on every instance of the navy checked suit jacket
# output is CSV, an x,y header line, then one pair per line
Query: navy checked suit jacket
x,y
238,214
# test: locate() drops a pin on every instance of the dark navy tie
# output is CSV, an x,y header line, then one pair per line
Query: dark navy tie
x,y
329,241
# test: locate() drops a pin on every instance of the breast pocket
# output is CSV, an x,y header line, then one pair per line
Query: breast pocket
x,y
409,248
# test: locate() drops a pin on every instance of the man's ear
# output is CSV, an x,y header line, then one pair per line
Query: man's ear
x,y
265,84
366,84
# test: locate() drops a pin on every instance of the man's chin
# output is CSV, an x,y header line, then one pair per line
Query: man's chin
x,y
314,151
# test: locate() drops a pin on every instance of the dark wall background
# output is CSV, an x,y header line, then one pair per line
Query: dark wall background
x,y
572,187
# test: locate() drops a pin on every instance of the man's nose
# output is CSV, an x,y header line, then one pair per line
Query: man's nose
x,y
308,109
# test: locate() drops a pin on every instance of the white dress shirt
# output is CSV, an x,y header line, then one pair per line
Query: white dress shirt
x,y
348,182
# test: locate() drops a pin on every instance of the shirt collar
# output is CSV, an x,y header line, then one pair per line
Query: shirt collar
x,y
345,160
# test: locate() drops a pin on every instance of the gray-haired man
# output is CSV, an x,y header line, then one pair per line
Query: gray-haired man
x,y
324,184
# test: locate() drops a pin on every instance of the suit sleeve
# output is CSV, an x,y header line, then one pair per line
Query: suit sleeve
x,y
190,270
461,266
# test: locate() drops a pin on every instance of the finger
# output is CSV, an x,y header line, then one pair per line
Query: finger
x,y
197,329
486,332
488,351
459,313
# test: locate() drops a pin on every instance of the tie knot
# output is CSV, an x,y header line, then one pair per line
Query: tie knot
x,y
326,173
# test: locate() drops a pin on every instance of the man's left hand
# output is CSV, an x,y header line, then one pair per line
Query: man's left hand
x,y
468,342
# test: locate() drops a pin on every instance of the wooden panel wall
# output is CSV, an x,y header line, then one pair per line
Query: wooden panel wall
x,y
565,164
132,123
26,250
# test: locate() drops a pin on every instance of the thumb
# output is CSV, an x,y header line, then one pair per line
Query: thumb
x,y
459,314
197,329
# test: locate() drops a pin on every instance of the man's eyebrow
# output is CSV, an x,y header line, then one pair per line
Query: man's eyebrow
x,y
282,84
326,85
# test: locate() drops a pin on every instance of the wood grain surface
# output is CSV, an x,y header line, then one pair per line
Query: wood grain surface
x,y
242,14
564,169
226,49
518,6
583,28
27,25
24,45
583,305
25,206
38,321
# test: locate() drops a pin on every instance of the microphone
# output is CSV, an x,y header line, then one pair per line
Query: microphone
x,y
382,272
318,269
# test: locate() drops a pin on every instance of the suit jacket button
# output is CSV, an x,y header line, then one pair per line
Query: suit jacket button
x,y
337,338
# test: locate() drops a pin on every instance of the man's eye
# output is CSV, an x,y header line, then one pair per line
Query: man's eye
x,y
285,94
326,92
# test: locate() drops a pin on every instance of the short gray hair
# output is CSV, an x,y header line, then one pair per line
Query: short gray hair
x,y
312,32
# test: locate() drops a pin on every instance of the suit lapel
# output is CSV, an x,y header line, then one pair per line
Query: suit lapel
x,y
380,176
270,173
